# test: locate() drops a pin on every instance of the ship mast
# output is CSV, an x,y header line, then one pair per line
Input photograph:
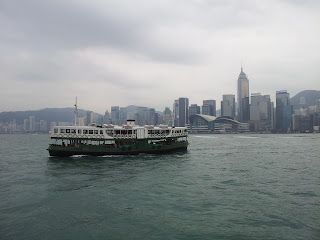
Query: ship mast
x,y
75,113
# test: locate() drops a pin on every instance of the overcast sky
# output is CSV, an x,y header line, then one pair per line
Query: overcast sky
x,y
149,53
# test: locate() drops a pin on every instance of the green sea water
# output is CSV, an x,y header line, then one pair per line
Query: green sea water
x,y
223,187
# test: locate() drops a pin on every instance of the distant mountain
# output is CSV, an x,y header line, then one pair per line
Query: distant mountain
x,y
47,114
310,97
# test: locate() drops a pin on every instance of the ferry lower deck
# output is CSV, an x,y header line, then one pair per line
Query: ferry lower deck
x,y
99,147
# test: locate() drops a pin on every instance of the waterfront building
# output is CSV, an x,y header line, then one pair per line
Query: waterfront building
x,y
244,127
260,112
194,109
209,107
200,123
228,106
301,123
181,107
304,119
283,111
243,97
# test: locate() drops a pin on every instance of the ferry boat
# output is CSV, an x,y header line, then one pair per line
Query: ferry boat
x,y
108,139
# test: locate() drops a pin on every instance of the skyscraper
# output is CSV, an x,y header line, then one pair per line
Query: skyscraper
x,y
181,108
261,112
123,115
115,115
209,107
194,109
243,97
283,111
228,105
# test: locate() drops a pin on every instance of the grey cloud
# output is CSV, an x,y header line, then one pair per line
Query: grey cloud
x,y
58,25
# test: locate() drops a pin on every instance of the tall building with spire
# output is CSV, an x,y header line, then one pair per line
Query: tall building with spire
x,y
243,97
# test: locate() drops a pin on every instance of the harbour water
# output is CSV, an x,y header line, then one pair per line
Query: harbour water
x,y
223,187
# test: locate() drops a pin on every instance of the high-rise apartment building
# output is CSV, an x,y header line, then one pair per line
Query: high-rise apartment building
x,y
43,126
228,105
243,97
26,125
181,112
32,122
318,105
283,111
209,107
89,117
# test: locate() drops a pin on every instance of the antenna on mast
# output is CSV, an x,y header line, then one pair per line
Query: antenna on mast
x,y
75,113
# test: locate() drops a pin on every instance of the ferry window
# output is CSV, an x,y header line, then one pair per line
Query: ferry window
x,y
55,130
129,131
73,131
124,132
117,131
96,131
67,130
90,131
79,131
62,131
149,131
101,132
85,131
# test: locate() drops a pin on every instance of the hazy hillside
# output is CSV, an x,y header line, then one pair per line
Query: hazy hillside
x,y
310,96
47,114
50,114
